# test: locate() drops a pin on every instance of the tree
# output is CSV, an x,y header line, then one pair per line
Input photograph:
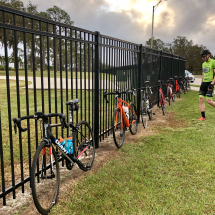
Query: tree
x,y
157,44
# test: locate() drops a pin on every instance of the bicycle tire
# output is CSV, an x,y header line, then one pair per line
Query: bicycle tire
x,y
188,86
118,133
144,114
44,197
173,97
162,104
168,95
84,144
177,94
183,88
150,111
163,108
133,119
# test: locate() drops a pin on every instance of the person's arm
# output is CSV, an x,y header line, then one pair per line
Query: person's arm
x,y
214,78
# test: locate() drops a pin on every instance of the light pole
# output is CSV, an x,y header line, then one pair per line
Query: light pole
x,y
154,8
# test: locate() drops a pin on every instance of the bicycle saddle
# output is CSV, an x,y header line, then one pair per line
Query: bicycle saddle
x,y
146,82
73,101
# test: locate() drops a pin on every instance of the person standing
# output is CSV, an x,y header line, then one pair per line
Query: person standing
x,y
207,84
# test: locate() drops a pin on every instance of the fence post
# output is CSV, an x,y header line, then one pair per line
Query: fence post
x,y
160,71
96,93
172,66
140,67
179,72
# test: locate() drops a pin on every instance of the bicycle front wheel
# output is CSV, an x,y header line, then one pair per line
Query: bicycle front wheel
x,y
45,178
118,128
168,95
84,144
144,114
132,119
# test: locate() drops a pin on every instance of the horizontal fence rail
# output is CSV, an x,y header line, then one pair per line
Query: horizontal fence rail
x,y
45,63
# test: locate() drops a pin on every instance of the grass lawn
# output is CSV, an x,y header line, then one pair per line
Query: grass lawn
x,y
172,172
45,74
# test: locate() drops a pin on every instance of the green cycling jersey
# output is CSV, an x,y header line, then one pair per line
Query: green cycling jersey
x,y
208,70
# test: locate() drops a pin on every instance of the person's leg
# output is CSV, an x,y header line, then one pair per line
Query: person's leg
x,y
210,102
201,103
202,94
209,98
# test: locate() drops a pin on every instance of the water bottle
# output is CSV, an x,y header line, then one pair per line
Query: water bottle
x,y
147,104
62,141
69,145
126,111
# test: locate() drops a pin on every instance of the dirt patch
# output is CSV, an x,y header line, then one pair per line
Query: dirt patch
x,y
23,204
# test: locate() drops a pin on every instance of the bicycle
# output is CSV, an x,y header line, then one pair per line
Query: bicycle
x,y
44,185
187,84
170,94
123,117
161,97
146,105
182,83
176,87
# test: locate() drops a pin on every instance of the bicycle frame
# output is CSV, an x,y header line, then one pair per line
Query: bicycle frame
x,y
122,112
170,87
162,95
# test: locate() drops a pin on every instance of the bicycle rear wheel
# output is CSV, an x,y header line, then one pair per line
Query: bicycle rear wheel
x,y
132,119
178,94
150,110
188,86
45,180
163,108
118,130
84,144
144,114
173,97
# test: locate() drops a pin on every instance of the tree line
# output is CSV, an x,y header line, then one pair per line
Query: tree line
x,y
183,47
180,45
58,48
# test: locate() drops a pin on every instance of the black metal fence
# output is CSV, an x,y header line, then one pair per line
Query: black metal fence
x,y
59,63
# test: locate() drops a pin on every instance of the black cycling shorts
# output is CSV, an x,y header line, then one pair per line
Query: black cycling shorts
x,y
203,91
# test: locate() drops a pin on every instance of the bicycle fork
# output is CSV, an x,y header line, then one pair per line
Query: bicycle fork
x,y
43,169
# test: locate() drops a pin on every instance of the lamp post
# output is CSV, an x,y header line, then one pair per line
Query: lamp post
x,y
154,8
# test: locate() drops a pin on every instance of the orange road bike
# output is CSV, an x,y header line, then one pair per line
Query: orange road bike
x,y
123,117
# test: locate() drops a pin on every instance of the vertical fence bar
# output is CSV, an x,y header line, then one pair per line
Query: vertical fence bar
x,y
18,98
27,97
89,81
55,71
41,68
140,69
85,77
96,106
9,106
71,69
66,64
48,63
2,163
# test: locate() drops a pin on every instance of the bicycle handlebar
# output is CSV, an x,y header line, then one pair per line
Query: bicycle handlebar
x,y
38,115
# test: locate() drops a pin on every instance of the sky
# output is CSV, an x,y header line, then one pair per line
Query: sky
x,y
131,20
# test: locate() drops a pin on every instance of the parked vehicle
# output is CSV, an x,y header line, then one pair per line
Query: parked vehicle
x,y
190,76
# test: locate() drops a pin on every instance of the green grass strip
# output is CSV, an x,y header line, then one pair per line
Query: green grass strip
x,y
172,172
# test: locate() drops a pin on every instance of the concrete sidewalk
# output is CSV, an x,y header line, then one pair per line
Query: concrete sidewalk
x,y
194,88
80,83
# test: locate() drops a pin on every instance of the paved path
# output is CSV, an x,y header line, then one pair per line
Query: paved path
x,y
89,83
197,81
